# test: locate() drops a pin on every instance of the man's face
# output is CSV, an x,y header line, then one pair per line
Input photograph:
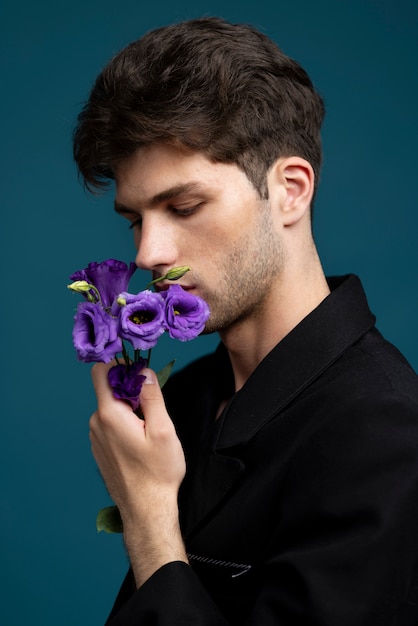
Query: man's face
x,y
186,210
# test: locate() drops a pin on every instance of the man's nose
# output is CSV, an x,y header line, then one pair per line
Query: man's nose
x,y
155,245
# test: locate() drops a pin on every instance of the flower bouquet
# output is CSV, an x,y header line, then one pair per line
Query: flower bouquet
x,y
111,323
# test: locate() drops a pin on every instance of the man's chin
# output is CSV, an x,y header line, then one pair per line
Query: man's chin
x,y
208,331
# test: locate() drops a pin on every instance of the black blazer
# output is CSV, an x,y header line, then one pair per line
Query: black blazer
x,y
300,504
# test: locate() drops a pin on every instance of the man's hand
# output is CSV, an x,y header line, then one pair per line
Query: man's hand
x,y
143,465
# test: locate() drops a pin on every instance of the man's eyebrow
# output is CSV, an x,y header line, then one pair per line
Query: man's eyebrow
x,y
123,210
163,196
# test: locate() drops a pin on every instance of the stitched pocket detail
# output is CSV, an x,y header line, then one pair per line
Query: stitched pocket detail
x,y
236,569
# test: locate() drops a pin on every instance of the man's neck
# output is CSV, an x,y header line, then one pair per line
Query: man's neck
x,y
289,302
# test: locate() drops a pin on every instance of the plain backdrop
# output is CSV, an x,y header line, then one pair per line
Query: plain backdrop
x,y
56,570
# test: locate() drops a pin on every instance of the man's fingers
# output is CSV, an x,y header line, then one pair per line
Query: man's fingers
x,y
151,399
99,373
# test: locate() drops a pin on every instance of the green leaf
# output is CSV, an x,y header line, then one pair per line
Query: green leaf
x,y
109,520
164,374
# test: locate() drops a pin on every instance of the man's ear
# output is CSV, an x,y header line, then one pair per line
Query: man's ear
x,y
295,177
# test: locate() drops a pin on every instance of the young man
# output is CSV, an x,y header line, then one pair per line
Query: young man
x,y
276,483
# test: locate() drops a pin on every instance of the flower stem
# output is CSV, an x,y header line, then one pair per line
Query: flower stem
x,y
96,293
126,356
174,274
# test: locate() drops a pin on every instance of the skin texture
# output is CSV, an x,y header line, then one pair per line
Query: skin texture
x,y
255,264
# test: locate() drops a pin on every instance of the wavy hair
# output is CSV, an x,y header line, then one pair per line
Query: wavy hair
x,y
225,90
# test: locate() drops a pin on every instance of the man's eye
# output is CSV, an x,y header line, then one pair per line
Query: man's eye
x,y
135,223
185,212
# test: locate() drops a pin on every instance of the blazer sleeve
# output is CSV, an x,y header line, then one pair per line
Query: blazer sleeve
x,y
172,596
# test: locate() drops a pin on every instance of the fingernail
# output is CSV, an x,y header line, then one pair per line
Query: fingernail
x,y
150,378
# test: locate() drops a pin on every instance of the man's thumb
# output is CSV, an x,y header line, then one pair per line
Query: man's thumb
x,y
151,398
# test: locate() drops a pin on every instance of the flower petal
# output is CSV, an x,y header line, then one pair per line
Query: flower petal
x,y
141,319
110,277
95,334
185,313
126,382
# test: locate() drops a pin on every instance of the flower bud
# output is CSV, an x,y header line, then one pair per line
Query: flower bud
x,y
79,286
177,272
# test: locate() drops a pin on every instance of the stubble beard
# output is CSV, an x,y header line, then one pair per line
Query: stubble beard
x,y
247,274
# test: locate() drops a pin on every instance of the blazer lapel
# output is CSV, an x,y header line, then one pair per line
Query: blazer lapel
x,y
307,351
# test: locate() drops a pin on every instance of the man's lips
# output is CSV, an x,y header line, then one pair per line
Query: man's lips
x,y
165,284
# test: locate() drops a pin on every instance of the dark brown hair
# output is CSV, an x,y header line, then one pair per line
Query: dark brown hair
x,y
223,89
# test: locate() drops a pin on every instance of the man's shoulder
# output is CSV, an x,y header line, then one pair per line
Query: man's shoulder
x,y
371,384
381,367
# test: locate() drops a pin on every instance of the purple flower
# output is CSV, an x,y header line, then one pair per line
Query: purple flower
x,y
95,334
141,319
185,313
110,278
126,382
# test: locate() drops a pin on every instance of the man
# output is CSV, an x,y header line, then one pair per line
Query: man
x,y
276,483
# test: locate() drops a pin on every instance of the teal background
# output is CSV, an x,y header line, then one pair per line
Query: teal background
x,y
56,570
